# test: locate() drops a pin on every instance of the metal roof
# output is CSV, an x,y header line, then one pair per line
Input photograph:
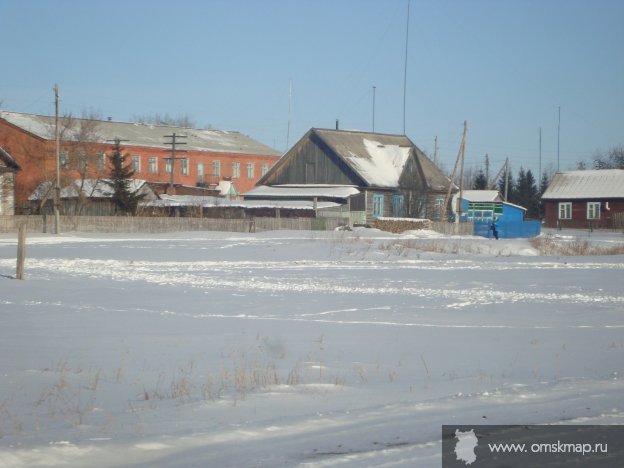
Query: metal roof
x,y
136,134
607,183
380,158
190,200
308,191
480,196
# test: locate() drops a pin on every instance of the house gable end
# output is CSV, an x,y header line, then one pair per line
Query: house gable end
x,y
311,161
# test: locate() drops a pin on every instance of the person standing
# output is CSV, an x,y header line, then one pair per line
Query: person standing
x,y
494,228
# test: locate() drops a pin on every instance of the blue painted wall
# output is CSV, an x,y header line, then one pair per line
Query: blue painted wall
x,y
508,229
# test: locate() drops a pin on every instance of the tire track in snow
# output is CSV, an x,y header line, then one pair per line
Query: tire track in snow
x,y
177,273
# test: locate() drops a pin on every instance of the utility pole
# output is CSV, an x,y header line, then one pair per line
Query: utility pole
x,y
460,154
57,185
405,66
506,178
435,150
461,174
487,168
173,143
289,114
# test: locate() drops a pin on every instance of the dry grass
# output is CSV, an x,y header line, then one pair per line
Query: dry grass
x,y
551,246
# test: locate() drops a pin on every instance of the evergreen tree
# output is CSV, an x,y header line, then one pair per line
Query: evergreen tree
x,y
124,198
527,194
542,188
480,182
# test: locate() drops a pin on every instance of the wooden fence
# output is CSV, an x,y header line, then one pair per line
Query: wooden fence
x,y
128,224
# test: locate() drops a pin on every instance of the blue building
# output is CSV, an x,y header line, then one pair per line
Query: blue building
x,y
482,207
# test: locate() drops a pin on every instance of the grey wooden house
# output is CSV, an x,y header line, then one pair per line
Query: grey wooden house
x,y
8,168
393,177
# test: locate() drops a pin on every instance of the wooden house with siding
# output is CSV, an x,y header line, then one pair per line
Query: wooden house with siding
x,y
389,176
585,199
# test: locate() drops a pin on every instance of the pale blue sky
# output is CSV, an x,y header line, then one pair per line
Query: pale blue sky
x,y
504,66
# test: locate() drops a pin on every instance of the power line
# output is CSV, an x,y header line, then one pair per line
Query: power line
x,y
173,143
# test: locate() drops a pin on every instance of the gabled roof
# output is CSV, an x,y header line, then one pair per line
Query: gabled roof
x,y
377,159
607,183
136,134
8,160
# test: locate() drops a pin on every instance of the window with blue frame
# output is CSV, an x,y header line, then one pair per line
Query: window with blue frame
x,y
378,206
398,206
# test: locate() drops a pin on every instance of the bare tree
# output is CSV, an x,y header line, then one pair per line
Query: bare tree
x,y
166,119
612,159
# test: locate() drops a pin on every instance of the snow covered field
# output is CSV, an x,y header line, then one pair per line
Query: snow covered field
x,y
296,348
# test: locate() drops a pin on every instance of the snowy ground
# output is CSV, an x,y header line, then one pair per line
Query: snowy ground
x,y
296,348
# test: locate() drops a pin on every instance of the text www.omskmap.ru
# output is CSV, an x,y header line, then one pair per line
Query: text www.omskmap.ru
x,y
558,447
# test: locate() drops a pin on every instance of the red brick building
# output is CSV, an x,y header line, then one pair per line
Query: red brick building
x,y
204,157
584,199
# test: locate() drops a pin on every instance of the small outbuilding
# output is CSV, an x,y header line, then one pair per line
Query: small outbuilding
x,y
8,168
88,197
482,207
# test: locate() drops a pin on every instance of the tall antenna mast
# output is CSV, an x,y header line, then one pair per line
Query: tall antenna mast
x,y
540,155
57,185
289,110
558,132
405,65
435,150
374,88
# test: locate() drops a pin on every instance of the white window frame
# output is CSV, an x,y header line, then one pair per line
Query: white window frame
x,y
593,210
200,172
250,170
168,165
136,163
235,170
152,165
101,162
265,168
216,168
565,210
184,166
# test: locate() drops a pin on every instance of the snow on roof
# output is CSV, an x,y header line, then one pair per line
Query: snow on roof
x,y
91,188
607,183
481,196
382,164
136,134
226,187
287,191
44,190
207,202
97,188
379,159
